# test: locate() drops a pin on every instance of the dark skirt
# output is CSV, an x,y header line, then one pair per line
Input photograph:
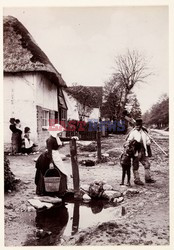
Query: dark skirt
x,y
16,141
42,165
27,150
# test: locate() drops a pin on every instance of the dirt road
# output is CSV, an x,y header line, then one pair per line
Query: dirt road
x,y
145,220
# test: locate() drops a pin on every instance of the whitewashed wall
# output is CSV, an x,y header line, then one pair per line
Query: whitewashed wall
x,y
72,112
19,102
95,114
22,93
46,93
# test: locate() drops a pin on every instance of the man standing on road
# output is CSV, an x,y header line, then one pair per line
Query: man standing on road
x,y
139,134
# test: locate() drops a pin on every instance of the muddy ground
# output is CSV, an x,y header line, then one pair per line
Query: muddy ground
x,y
143,218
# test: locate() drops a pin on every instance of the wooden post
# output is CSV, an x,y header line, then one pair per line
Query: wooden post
x,y
75,167
99,145
76,216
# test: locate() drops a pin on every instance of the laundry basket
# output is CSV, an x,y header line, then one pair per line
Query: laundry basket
x,y
52,180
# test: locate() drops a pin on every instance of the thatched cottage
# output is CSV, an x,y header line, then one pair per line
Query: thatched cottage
x,y
75,107
32,86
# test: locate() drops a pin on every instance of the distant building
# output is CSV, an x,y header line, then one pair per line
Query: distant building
x,y
75,107
32,86
96,112
72,111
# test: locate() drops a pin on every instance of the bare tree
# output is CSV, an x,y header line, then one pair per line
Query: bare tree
x,y
130,69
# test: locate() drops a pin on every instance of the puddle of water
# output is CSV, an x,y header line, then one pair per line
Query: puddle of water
x,y
68,219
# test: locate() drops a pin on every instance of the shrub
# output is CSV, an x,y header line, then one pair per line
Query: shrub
x,y
9,177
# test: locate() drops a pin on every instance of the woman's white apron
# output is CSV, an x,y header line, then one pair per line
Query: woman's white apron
x,y
59,163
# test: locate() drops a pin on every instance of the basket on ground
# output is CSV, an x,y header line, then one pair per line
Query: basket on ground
x,y
52,180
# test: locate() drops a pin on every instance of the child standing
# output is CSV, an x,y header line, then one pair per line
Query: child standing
x,y
125,160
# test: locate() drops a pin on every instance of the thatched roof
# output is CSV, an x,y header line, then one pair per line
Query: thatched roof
x,y
22,54
97,90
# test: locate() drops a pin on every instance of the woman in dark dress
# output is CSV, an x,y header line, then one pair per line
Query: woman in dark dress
x,y
51,157
16,139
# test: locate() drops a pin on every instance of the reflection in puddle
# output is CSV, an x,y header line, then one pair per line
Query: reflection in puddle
x,y
50,224
65,220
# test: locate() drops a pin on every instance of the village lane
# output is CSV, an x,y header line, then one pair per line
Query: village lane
x,y
146,216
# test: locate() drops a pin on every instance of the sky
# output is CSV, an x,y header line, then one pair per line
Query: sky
x,y
83,42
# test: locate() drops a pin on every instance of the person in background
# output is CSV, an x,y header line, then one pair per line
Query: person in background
x,y
27,143
12,127
16,138
19,132
139,134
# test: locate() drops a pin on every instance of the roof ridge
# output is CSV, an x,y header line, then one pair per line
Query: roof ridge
x,y
22,53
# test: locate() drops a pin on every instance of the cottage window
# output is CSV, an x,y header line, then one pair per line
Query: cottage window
x,y
63,114
45,118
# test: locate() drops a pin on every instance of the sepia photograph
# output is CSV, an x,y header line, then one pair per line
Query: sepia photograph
x,y
86,125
